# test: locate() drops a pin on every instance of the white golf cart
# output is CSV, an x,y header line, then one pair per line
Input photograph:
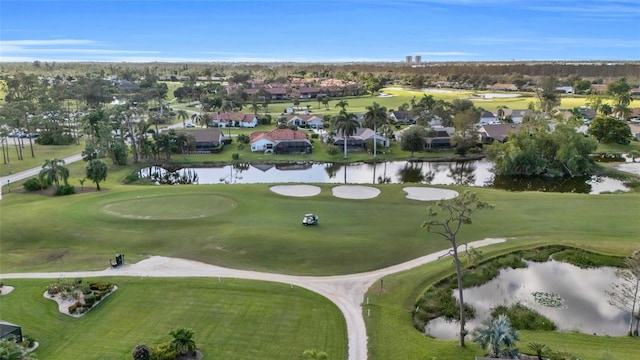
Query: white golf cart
x,y
310,219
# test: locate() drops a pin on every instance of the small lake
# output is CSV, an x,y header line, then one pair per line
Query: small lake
x,y
466,173
581,305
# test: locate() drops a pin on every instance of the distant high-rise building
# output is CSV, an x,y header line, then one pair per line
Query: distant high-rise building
x,y
418,59
409,58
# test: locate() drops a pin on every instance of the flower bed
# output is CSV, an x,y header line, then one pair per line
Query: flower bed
x,y
75,298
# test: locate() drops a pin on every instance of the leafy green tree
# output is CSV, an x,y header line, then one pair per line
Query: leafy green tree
x,y
447,223
413,139
183,341
346,124
96,171
375,116
610,130
53,171
535,151
497,337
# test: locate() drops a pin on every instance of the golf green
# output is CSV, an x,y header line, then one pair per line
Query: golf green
x,y
170,207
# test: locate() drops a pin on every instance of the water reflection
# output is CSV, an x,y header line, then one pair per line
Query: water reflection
x,y
466,173
585,309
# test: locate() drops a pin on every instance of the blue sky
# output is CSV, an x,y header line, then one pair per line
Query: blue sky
x,y
319,30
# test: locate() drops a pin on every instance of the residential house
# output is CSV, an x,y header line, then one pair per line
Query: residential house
x,y
234,120
278,93
635,92
308,92
368,135
441,138
312,121
502,87
401,117
516,116
280,141
487,117
499,132
206,140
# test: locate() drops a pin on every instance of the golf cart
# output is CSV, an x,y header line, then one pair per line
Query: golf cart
x,y
310,219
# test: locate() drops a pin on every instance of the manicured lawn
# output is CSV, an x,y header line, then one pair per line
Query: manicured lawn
x,y
392,335
231,319
263,231
41,152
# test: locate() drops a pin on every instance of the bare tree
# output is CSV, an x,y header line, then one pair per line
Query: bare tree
x,y
455,213
625,294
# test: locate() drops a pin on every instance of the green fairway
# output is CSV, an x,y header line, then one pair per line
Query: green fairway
x,y
173,207
392,335
250,227
231,319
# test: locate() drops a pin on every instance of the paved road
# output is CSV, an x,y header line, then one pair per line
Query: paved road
x,y
346,291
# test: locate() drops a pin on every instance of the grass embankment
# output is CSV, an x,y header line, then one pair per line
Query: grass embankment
x,y
231,319
392,335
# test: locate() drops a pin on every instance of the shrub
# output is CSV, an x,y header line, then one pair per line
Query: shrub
x,y
89,300
28,341
72,309
33,184
333,150
1,283
163,352
131,178
235,156
523,318
65,190
243,139
141,352
228,141
315,136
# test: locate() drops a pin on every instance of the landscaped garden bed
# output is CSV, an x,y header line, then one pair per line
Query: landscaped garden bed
x,y
75,298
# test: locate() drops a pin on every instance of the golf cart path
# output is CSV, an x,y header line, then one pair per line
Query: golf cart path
x,y
346,291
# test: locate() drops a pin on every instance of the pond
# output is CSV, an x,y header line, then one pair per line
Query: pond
x,y
579,299
467,173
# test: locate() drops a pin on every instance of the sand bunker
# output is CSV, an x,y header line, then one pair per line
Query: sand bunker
x,y
355,192
296,190
429,193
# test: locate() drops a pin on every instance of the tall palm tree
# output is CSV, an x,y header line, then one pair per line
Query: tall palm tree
x,y
183,341
347,125
497,337
182,115
53,171
375,116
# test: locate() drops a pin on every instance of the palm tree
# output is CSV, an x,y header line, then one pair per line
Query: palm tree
x,y
375,116
183,341
96,171
347,125
539,348
10,350
53,171
497,337
342,104
182,115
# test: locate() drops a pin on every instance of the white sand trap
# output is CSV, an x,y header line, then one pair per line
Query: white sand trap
x,y
355,192
296,190
429,193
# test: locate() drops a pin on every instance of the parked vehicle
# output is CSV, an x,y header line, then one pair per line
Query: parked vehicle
x,y
310,219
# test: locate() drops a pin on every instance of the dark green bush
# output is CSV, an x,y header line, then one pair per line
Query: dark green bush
x,y
163,352
235,156
33,184
585,259
72,309
243,138
333,150
28,341
523,318
89,299
65,190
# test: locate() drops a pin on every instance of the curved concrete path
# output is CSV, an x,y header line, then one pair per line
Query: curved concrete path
x,y
346,291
